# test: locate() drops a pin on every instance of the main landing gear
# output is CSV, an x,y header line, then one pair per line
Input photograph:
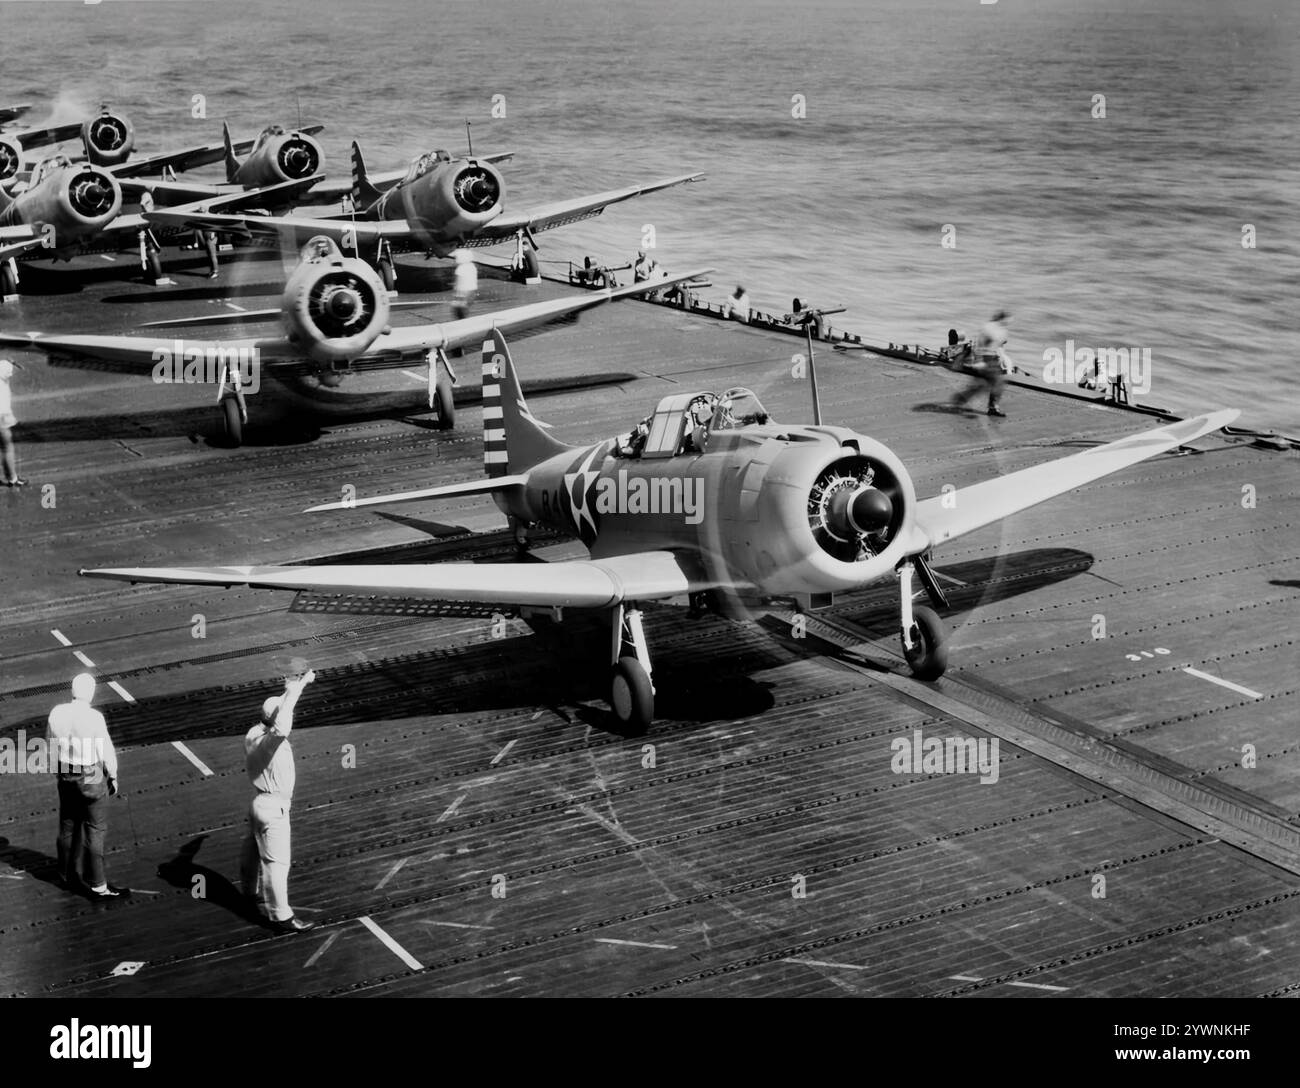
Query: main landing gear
x,y
441,381
524,266
632,695
234,409
925,640
151,260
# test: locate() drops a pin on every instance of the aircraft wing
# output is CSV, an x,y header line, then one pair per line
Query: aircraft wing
x,y
949,516
331,191
55,134
586,583
470,331
560,212
189,158
138,354
294,230
15,241
12,113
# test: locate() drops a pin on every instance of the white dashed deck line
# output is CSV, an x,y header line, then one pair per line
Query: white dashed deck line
x,y
204,769
388,942
1223,683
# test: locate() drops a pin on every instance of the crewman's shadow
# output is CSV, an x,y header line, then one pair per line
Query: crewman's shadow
x,y
182,871
947,408
38,865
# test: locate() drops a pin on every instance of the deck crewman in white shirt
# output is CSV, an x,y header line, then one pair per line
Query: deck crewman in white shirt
x,y
10,476
87,773
266,856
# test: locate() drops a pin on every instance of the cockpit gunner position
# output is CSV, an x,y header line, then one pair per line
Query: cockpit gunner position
x,y
683,423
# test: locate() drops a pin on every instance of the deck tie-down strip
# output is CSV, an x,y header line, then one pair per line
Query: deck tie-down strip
x,y
1265,836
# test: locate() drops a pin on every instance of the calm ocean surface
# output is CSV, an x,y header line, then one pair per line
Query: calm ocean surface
x,y
1122,231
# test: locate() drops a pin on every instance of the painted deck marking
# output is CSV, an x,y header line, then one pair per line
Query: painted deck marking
x,y
823,963
127,967
391,872
965,978
949,578
126,695
203,767
395,948
634,944
1039,986
83,659
60,636
1223,683
454,925
451,809
502,754
325,947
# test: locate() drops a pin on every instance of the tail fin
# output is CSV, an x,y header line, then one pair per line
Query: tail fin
x,y
363,193
514,440
232,163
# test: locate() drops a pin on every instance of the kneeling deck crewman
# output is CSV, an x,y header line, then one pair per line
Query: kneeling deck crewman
x,y
264,863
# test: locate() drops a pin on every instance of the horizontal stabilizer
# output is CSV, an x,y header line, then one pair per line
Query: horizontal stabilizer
x,y
447,491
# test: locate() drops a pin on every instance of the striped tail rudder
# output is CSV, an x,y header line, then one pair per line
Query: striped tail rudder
x,y
514,440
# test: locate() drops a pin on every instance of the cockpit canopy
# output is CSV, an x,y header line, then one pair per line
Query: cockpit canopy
x,y
267,133
426,162
46,167
683,422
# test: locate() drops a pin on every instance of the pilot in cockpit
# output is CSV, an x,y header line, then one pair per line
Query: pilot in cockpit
x,y
738,407
699,416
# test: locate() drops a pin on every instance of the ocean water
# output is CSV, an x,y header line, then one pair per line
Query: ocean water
x,y
1124,230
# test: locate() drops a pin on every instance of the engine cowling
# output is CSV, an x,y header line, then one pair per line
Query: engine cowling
x,y
289,156
108,138
333,306
812,516
11,161
74,200
451,202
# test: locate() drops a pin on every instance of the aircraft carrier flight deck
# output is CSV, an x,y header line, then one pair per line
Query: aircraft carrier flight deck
x,y
469,821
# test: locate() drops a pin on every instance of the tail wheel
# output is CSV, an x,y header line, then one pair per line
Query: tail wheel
x,y
234,421
388,274
927,654
445,403
631,696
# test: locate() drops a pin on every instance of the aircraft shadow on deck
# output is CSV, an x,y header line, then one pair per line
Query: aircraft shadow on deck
x,y
54,280
274,419
564,667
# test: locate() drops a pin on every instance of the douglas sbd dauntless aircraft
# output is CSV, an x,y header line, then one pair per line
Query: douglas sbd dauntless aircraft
x,y
440,205
334,316
707,498
71,207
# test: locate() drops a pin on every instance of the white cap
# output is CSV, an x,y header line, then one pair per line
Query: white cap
x,y
461,255
6,369
83,687
270,707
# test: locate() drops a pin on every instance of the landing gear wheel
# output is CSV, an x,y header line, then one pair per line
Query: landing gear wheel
x,y
928,656
444,403
631,696
234,421
388,274
153,265
8,280
530,270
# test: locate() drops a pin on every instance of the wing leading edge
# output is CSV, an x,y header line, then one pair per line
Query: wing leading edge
x,y
570,584
949,516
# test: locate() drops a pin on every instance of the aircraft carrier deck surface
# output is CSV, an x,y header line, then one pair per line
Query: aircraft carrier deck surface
x,y
468,822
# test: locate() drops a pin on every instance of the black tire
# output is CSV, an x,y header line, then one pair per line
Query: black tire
x,y
388,274
929,659
153,264
234,421
631,697
445,403
8,280
531,268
